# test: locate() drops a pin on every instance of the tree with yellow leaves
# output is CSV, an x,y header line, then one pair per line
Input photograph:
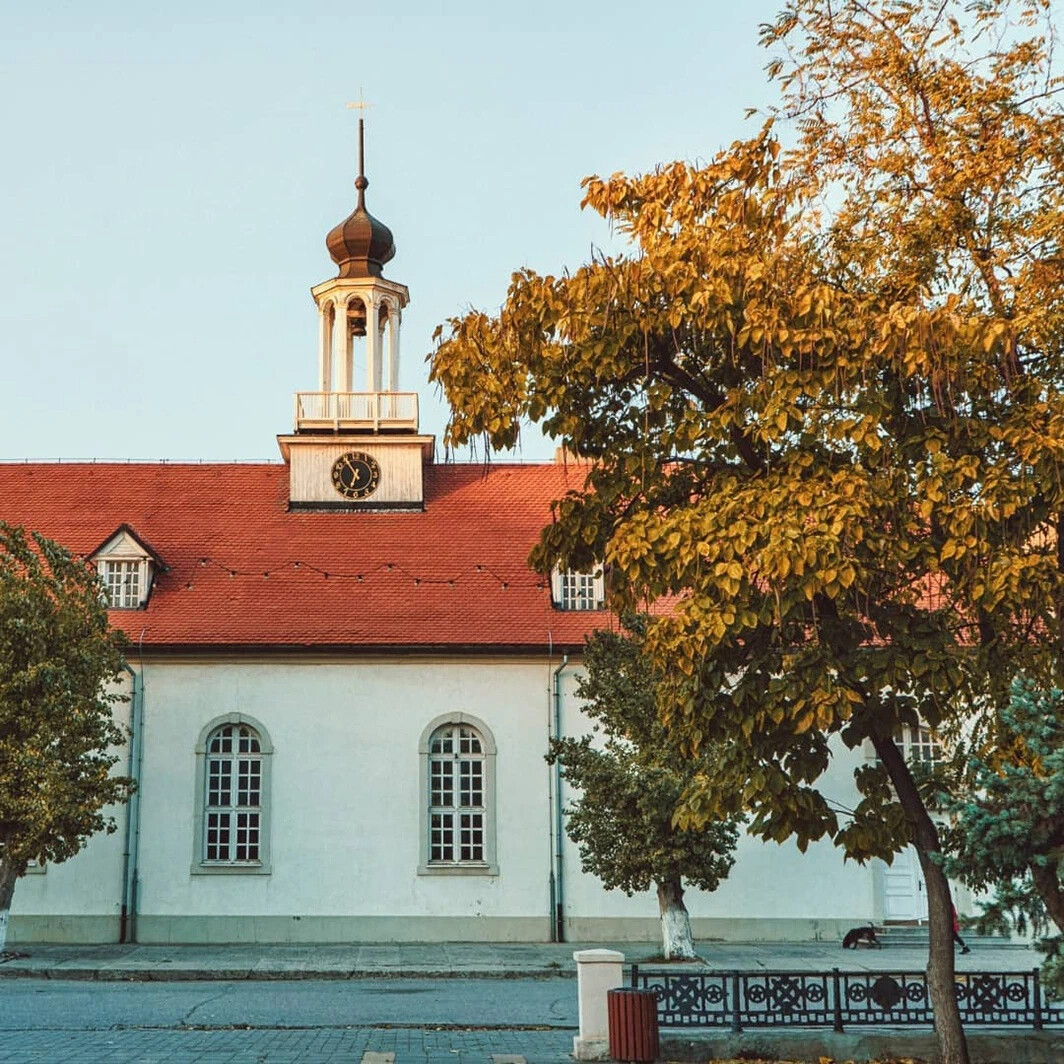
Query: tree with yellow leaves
x,y
822,400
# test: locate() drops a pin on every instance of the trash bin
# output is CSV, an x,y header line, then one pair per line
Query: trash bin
x,y
633,1024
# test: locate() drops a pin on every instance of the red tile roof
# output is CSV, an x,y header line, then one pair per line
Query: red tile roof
x,y
244,571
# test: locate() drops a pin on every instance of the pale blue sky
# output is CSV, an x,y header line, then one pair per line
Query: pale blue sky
x,y
169,177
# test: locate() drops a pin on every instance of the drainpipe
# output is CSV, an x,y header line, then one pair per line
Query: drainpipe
x,y
551,880
127,924
559,833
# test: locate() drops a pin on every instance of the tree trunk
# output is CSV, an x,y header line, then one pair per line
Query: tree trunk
x,y
8,875
1047,885
952,1045
675,923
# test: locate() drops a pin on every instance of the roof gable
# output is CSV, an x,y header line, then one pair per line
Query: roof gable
x,y
125,543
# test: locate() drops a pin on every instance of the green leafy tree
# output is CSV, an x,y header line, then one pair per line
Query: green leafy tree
x,y
822,400
1007,832
631,787
57,658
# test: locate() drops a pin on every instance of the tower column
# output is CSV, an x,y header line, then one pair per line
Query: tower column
x,y
325,342
395,316
373,342
341,347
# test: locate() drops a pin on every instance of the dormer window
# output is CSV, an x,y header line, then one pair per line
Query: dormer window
x,y
127,566
578,591
122,579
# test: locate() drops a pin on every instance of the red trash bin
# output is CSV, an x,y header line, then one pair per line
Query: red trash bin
x,y
633,1024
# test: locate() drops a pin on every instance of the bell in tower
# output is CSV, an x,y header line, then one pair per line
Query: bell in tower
x,y
356,318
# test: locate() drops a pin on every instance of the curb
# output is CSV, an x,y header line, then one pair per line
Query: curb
x,y
229,975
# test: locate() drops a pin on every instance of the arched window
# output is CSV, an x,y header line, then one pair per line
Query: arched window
x,y
232,805
458,797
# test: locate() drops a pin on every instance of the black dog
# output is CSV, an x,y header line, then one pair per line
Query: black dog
x,y
861,934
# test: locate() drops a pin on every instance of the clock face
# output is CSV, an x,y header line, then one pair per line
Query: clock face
x,y
355,475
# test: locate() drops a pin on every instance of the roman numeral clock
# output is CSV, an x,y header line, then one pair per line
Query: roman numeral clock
x,y
356,475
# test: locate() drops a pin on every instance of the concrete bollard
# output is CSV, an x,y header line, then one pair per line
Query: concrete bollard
x,y
597,970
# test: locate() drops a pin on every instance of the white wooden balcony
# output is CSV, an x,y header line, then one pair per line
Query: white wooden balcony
x,y
359,411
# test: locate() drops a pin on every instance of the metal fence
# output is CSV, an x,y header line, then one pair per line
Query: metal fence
x,y
761,999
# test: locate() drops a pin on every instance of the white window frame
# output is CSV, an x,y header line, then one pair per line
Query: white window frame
x,y
124,549
914,742
135,567
200,864
919,745
489,865
578,591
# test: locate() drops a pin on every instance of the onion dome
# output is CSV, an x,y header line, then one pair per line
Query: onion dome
x,y
360,245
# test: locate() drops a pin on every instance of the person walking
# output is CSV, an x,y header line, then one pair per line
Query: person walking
x,y
957,932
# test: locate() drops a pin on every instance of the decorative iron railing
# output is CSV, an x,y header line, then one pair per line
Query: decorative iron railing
x,y
835,999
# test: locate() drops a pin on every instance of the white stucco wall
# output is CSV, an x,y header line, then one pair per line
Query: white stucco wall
x,y
805,895
345,819
346,799
81,898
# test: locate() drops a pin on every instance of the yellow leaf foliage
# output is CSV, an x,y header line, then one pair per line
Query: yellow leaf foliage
x,y
822,399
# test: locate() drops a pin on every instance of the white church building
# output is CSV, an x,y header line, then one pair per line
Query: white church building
x,y
343,677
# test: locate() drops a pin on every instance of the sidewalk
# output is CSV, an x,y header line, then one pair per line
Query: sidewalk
x,y
289,1047
456,960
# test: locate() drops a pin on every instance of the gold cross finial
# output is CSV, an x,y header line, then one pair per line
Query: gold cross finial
x,y
361,184
361,106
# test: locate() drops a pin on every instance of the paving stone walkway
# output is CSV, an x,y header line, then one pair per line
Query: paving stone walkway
x,y
328,1046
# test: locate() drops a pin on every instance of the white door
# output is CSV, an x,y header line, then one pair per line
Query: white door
x,y
904,893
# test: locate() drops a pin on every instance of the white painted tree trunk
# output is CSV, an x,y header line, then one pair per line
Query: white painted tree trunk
x,y
7,891
675,923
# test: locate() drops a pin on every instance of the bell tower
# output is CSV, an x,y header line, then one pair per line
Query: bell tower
x,y
352,449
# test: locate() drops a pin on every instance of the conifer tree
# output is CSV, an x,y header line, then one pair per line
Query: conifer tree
x,y
1007,831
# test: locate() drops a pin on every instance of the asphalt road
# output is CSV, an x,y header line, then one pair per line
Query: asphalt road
x,y
31,1004
421,1021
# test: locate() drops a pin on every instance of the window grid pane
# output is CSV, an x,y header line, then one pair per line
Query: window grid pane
x,y
247,836
469,741
442,782
249,775
217,836
470,786
578,591
222,742
249,741
233,814
918,744
472,836
122,583
219,782
925,746
456,815
441,844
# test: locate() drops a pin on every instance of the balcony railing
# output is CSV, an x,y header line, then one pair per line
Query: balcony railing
x,y
365,411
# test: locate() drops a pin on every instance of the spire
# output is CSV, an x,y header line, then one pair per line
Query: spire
x,y
361,182
360,245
